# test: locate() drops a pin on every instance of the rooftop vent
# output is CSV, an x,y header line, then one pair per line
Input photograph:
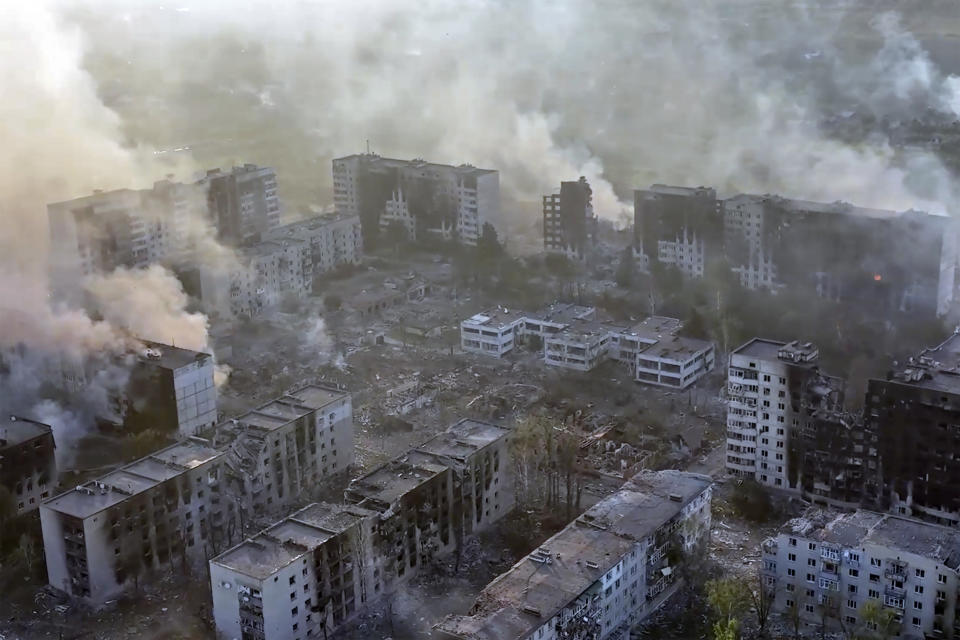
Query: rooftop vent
x,y
531,610
152,354
676,497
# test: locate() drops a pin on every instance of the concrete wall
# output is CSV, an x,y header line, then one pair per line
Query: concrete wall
x,y
196,397
858,577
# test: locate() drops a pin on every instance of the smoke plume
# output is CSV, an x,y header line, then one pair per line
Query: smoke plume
x,y
59,364
729,94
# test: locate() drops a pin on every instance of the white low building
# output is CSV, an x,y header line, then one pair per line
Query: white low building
x,y
491,332
574,339
829,567
604,572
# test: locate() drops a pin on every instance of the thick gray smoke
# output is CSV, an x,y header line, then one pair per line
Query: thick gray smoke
x,y
728,94
117,93
59,364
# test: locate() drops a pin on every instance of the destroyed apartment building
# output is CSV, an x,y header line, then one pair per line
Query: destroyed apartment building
x,y
166,510
569,223
914,414
416,197
573,338
786,428
166,388
28,465
830,569
605,572
836,250
310,573
773,389
303,577
181,505
288,446
171,389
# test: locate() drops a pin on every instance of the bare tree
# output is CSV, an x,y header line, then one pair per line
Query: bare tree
x,y
762,597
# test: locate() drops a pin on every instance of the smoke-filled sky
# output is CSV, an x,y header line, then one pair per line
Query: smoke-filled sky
x,y
626,92
728,93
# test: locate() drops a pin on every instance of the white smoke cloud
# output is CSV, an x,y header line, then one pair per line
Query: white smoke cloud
x,y
728,94
149,303
60,364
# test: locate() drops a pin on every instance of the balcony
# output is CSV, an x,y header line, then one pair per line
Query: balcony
x,y
895,573
894,592
769,546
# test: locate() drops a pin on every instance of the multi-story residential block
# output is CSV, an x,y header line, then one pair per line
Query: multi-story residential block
x,y
834,456
844,253
137,228
288,446
171,389
603,573
826,569
574,339
267,272
430,498
243,202
424,198
677,226
184,504
569,224
122,228
163,512
772,388
914,414
850,254
310,573
334,240
301,578
28,465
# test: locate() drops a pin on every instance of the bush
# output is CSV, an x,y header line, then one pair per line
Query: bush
x,y
751,501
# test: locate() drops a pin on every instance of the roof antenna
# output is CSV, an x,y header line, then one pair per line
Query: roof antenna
x,y
368,146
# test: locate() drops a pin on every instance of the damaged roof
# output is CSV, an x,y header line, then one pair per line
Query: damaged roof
x,y
279,545
533,591
862,528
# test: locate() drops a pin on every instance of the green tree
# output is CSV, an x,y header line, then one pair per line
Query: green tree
x,y
534,343
729,630
27,550
489,247
730,598
752,501
877,622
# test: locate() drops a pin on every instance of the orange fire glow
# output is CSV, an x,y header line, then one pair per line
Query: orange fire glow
x,y
877,277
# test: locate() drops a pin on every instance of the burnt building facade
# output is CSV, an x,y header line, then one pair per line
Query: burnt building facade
x,y
243,203
317,569
677,226
179,506
415,197
569,223
28,465
915,413
875,260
